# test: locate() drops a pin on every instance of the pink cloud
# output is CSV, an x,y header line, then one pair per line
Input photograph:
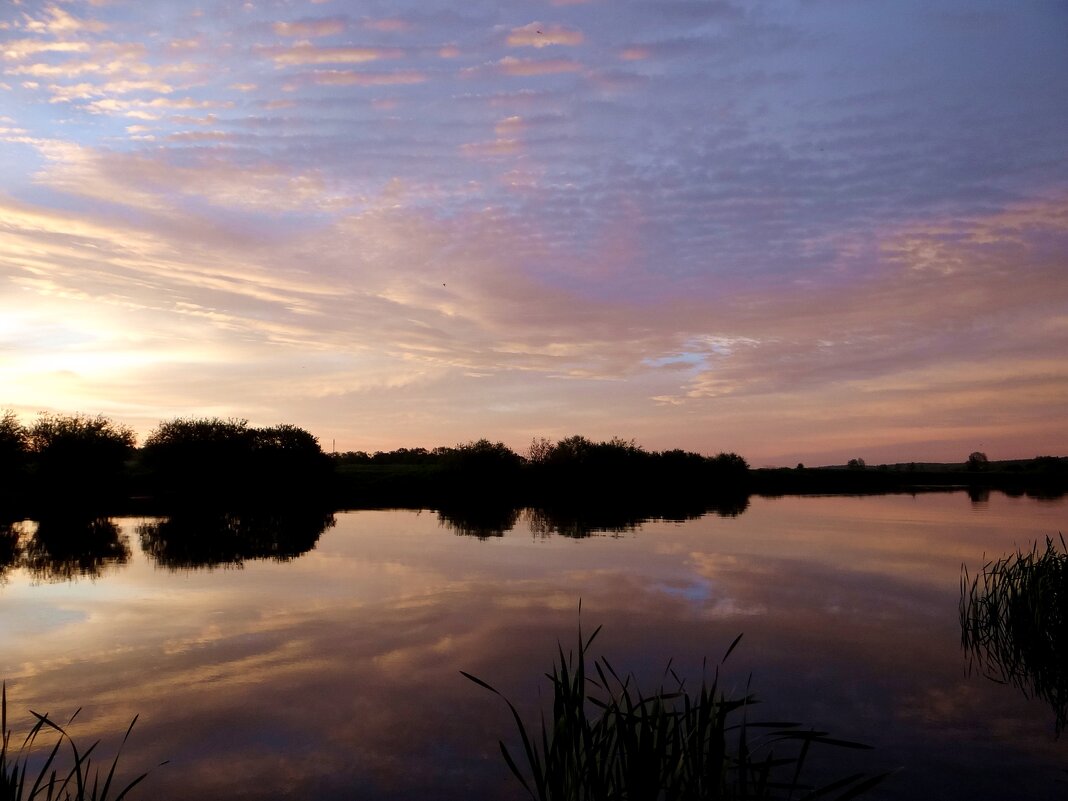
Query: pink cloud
x,y
18,49
356,78
303,54
510,65
387,25
57,21
498,147
635,53
310,28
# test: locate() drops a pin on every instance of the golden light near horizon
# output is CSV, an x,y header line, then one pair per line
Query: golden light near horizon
x,y
694,227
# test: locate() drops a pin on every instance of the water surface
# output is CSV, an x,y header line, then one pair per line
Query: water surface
x,y
330,668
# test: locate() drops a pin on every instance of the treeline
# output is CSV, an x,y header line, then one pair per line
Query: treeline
x,y
74,460
1041,477
574,470
85,464
93,464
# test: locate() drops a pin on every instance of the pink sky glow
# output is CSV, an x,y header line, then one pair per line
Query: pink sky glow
x,y
799,230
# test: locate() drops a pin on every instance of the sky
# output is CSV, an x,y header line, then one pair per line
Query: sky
x,y
799,230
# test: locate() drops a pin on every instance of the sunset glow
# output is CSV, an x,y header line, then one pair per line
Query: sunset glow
x,y
801,231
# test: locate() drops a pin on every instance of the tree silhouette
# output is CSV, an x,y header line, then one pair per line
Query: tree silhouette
x,y
212,461
78,459
14,446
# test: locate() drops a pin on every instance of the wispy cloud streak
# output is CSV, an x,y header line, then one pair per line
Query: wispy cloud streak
x,y
729,226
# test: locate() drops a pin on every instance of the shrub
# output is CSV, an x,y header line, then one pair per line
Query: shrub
x,y
211,460
78,459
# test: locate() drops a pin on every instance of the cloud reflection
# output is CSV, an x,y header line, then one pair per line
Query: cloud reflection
x,y
340,669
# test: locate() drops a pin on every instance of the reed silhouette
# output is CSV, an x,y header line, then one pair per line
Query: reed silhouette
x,y
1014,623
54,780
608,739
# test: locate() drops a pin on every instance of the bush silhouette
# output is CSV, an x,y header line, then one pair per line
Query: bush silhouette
x,y
78,459
14,446
211,460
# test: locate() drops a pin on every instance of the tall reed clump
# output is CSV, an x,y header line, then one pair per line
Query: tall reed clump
x,y
1014,623
609,740
81,782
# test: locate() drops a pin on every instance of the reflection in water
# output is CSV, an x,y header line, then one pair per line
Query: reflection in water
x,y
63,549
578,521
482,522
1014,624
10,549
337,675
210,539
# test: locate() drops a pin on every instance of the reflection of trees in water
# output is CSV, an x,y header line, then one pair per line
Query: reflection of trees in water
x,y
63,549
1014,624
10,550
730,505
577,520
492,521
479,521
583,521
206,539
579,523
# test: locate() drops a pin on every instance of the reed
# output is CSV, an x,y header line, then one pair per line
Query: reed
x,y
80,782
607,739
1014,623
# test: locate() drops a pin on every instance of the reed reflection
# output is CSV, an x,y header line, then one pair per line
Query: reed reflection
x,y
1014,624
67,548
205,539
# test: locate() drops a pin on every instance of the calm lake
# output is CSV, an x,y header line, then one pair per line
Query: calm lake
x,y
334,671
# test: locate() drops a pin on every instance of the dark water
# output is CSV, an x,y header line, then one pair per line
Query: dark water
x,y
328,666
